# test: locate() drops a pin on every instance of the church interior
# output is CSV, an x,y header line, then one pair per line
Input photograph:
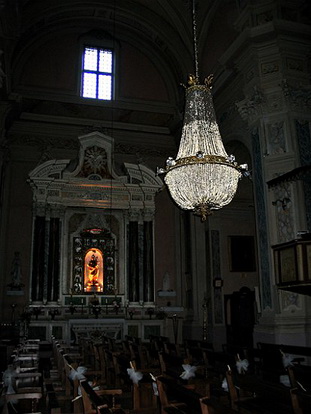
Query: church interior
x,y
155,199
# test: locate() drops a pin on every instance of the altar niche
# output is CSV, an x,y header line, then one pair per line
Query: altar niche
x,y
93,262
93,271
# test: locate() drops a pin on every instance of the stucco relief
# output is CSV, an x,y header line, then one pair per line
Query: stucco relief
x,y
298,97
290,301
276,138
284,215
270,67
251,107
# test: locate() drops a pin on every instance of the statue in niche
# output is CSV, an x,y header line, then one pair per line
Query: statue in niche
x,y
93,271
2,74
277,140
16,273
166,282
290,300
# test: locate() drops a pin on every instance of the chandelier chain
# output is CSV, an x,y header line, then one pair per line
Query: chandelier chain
x,y
195,45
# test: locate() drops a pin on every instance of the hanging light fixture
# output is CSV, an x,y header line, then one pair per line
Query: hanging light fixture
x,y
203,177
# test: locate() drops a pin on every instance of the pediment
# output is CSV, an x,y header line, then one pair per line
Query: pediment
x,y
92,181
95,157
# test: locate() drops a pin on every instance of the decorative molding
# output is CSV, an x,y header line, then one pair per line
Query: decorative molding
x,y
276,138
251,107
284,213
94,183
136,150
270,67
265,17
297,97
44,143
294,64
216,275
263,246
290,301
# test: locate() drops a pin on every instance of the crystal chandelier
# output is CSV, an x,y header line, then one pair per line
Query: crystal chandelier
x,y
203,177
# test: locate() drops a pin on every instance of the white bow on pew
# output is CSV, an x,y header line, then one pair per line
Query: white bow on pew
x,y
189,372
8,378
284,379
135,376
287,360
242,365
224,385
77,373
154,384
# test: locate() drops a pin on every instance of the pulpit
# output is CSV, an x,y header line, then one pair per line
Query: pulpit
x,y
292,263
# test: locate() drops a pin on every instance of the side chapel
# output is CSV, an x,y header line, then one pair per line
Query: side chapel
x,y
93,232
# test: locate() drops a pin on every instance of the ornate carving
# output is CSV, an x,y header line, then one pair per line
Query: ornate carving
x,y
134,150
284,215
269,67
265,17
2,74
75,222
135,215
251,107
97,221
44,144
274,102
95,163
276,138
290,301
39,209
96,128
249,75
294,64
57,210
298,98
16,272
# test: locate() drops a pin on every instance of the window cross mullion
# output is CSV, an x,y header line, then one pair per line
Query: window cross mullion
x,y
97,84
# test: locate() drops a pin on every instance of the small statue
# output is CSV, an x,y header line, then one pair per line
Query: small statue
x,y
16,273
166,282
2,74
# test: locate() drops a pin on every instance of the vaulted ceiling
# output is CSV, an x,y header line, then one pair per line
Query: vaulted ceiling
x,y
162,27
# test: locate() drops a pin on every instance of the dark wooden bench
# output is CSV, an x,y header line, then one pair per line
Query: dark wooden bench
x,y
271,362
176,398
252,393
301,401
52,403
96,401
300,376
26,402
171,364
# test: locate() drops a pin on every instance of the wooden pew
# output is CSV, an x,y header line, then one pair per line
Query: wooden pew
x,y
52,403
171,365
301,401
25,380
258,395
184,400
139,353
300,376
271,358
25,402
93,403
